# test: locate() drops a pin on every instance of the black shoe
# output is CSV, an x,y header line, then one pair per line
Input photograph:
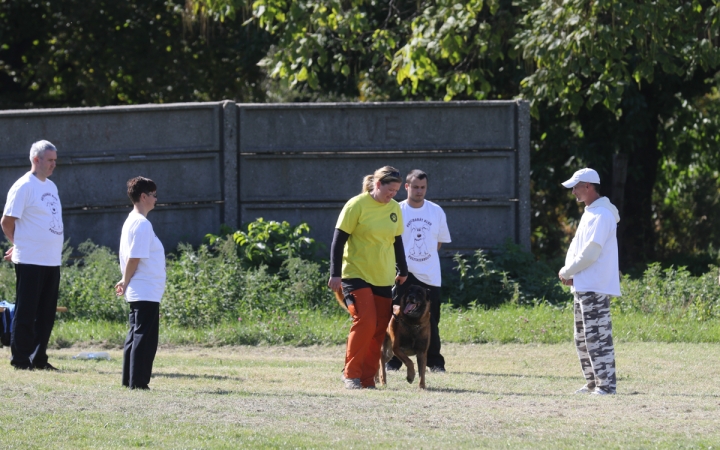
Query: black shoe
x,y
22,366
144,387
47,366
437,369
393,365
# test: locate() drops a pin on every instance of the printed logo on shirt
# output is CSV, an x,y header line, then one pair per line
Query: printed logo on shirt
x,y
419,228
53,205
393,217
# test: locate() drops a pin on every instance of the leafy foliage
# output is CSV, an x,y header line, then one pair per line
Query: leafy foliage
x,y
510,276
270,243
98,52
376,51
673,292
588,52
205,288
623,71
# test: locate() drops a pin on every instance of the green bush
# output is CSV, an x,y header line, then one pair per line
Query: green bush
x,y
673,292
87,285
212,285
207,287
270,243
510,276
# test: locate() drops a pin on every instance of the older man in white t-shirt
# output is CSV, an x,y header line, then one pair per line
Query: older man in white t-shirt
x,y
591,268
425,230
32,221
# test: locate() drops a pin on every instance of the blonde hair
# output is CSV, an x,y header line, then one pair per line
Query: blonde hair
x,y
384,175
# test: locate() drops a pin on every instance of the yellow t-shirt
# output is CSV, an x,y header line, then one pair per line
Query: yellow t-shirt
x,y
372,226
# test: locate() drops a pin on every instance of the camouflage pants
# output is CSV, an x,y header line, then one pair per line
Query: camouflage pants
x,y
593,339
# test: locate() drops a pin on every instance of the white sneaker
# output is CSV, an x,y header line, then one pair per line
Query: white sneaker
x,y
600,391
585,390
352,383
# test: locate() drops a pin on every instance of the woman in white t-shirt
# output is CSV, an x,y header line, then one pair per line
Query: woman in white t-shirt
x,y
142,262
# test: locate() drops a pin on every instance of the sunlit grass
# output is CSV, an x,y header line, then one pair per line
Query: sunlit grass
x,y
512,395
507,324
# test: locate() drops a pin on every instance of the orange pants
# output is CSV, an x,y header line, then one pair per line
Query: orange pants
x,y
371,315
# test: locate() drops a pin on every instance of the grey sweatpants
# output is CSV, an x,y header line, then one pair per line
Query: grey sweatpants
x,y
593,340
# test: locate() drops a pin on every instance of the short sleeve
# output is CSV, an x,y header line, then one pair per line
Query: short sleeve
x,y
141,238
349,217
599,230
444,232
16,201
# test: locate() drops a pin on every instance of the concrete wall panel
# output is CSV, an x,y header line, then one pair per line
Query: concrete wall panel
x,y
376,126
303,177
472,225
172,224
113,130
225,163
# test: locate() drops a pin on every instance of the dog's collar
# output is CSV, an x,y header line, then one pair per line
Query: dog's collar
x,y
399,319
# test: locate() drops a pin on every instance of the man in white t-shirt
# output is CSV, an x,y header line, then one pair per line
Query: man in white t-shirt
x,y
591,268
32,221
425,230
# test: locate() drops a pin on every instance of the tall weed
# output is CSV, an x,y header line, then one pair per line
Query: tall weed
x,y
87,285
510,276
674,292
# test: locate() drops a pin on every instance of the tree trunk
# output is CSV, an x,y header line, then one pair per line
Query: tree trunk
x,y
640,143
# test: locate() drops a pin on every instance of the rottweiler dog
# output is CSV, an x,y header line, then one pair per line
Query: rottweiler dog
x,y
408,334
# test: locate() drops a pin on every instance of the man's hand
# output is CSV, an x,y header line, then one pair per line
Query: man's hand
x,y
399,279
8,254
565,281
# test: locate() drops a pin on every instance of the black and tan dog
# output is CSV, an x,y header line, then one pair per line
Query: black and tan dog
x,y
408,334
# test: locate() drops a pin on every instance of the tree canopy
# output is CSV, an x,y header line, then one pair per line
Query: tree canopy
x,y
604,78
98,52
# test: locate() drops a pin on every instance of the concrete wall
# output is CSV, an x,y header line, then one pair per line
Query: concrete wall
x,y
225,163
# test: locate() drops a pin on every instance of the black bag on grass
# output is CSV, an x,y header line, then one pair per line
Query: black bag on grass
x,y
6,318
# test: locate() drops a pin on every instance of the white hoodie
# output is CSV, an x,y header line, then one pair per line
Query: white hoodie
x,y
598,225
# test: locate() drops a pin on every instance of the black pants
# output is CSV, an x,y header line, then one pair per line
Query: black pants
x,y
434,358
36,294
141,344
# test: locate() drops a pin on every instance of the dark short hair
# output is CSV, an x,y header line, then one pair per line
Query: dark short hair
x,y
597,187
416,173
138,186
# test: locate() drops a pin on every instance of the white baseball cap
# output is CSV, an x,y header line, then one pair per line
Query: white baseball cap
x,y
587,175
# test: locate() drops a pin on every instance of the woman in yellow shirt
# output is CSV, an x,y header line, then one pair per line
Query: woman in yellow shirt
x,y
366,247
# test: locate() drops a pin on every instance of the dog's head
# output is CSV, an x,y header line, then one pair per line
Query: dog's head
x,y
414,302
53,207
418,233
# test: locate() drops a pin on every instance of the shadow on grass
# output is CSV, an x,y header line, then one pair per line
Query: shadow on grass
x,y
196,377
518,375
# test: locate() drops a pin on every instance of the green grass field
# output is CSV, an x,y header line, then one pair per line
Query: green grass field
x,y
510,395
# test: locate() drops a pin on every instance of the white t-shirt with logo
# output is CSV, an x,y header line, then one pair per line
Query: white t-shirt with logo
x,y
424,228
39,229
597,225
138,240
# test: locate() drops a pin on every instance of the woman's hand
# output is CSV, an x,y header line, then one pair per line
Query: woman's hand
x,y
335,284
400,279
120,288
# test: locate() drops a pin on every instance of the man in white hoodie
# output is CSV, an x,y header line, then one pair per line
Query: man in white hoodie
x,y
591,268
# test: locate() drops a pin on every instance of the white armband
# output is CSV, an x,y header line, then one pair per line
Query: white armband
x,y
589,255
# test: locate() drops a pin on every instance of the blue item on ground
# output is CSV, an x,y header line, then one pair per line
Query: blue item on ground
x,y
6,322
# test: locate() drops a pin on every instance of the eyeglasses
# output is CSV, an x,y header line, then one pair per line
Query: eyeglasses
x,y
151,194
392,175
